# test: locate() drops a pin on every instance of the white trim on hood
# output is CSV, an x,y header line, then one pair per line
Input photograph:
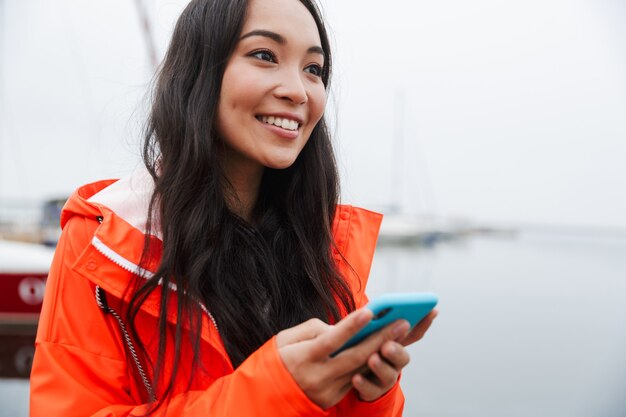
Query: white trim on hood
x,y
120,260
129,199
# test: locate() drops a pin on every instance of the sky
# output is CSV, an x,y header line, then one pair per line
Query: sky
x,y
496,112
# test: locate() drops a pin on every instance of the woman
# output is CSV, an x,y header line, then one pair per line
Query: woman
x,y
218,281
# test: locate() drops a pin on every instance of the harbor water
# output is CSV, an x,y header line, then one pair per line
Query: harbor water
x,y
532,324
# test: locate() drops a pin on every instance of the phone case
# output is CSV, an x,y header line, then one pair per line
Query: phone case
x,y
388,308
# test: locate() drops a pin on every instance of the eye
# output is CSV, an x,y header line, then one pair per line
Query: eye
x,y
263,55
314,69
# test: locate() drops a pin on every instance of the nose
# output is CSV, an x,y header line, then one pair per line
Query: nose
x,y
291,87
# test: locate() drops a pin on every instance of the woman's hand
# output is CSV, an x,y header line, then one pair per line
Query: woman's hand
x,y
306,351
385,365
420,329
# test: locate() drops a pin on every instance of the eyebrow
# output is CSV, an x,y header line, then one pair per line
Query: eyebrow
x,y
280,40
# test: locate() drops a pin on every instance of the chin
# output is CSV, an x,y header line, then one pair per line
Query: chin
x,y
281,165
283,162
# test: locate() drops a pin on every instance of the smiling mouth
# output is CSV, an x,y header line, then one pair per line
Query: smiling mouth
x,y
281,122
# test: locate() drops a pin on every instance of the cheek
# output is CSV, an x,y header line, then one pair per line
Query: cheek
x,y
231,100
317,102
240,90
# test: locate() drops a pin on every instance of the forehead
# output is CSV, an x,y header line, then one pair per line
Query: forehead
x,y
289,18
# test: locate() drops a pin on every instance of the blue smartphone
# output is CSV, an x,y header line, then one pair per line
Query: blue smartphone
x,y
412,307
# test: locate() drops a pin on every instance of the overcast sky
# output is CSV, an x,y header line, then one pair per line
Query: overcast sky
x,y
488,110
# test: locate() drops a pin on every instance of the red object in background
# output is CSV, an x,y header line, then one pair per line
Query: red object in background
x,y
16,353
21,295
23,271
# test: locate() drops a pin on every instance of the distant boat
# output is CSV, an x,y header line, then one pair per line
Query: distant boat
x,y
23,271
407,230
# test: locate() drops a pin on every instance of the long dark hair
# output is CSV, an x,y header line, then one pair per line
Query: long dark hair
x,y
255,277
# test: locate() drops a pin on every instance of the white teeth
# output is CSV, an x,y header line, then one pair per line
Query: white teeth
x,y
280,122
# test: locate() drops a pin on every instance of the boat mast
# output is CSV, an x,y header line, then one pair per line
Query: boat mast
x,y
2,88
146,29
398,157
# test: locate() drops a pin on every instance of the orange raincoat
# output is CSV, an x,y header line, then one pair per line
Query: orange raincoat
x,y
81,366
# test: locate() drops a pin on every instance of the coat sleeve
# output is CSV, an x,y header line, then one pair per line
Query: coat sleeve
x,y
80,367
69,382
389,405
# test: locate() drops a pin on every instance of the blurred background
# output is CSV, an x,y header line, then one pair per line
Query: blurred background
x,y
491,134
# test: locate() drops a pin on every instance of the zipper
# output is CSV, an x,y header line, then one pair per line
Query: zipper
x,y
102,303
129,266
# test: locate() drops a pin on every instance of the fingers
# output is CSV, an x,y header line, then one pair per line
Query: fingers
x,y
351,359
331,340
368,390
420,329
395,355
383,371
381,377
304,331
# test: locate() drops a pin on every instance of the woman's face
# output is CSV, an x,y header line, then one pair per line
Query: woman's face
x,y
272,91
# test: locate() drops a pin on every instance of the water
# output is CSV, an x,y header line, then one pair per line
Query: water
x,y
529,326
